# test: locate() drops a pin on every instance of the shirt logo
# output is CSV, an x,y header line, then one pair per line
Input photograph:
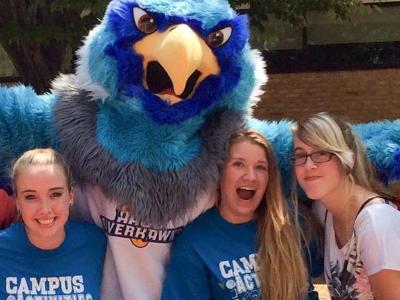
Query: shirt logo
x,y
241,277
125,226
46,288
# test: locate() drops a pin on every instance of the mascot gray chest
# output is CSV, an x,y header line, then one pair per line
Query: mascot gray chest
x,y
153,197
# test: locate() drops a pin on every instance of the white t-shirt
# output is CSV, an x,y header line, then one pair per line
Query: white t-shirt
x,y
374,246
137,254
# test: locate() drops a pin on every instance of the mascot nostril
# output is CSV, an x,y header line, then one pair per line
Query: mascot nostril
x,y
158,81
190,84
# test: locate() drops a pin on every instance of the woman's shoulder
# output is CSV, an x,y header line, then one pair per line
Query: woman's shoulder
x,y
86,231
13,239
379,207
12,232
201,223
198,231
378,214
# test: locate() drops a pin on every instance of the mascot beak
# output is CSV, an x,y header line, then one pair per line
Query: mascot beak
x,y
175,62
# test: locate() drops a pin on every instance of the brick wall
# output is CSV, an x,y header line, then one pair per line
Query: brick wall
x,y
358,96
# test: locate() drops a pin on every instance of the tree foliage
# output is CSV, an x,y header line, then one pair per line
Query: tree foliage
x,y
41,36
295,12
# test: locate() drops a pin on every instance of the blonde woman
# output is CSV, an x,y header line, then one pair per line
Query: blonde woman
x,y
362,226
46,256
246,248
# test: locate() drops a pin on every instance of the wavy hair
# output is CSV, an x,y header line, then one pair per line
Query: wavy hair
x,y
282,270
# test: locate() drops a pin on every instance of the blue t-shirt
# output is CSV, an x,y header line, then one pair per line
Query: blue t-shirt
x,y
71,271
214,259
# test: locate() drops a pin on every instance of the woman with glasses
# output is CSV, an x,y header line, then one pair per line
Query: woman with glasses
x,y
361,224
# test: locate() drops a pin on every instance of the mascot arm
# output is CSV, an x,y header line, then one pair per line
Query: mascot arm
x,y
382,141
25,123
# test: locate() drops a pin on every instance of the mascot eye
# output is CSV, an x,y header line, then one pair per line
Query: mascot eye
x,y
143,21
218,38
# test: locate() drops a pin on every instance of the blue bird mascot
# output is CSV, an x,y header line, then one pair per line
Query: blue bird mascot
x,y
160,86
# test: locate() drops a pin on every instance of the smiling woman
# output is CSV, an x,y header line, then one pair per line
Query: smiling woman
x,y
46,254
43,196
246,246
359,218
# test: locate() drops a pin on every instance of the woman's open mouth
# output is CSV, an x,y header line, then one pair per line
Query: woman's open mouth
x,y
245,193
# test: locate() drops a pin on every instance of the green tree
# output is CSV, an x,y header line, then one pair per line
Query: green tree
x,y
295,12
41,36
6,67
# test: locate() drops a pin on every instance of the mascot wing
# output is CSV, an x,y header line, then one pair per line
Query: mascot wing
x,y
382,140
25,122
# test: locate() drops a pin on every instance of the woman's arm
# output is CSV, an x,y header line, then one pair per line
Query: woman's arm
x,y
385,284
379,242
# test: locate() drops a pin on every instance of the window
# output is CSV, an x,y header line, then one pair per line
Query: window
x,y
372,40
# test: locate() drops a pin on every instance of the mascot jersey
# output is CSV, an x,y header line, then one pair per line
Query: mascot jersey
x,y
71,271
136,253
159,87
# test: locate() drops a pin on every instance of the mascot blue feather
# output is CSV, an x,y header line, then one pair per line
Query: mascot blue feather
x,y
159,88
25,122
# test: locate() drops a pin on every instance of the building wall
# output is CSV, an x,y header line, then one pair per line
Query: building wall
x,y
358,96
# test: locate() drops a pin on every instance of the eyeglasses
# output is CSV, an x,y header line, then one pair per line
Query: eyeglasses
x,y
317,157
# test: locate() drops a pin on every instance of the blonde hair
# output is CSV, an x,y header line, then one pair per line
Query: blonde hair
x,y
331,134
41,157
282,270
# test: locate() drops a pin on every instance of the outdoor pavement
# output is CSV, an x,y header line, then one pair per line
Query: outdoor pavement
x,y
321,288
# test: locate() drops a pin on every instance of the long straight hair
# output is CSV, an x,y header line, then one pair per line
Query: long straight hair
x,y
282,270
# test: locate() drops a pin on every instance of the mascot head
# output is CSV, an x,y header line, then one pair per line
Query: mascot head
x,y
172,60
170,81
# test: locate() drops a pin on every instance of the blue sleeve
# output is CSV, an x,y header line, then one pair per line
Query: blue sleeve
x,y
186,274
